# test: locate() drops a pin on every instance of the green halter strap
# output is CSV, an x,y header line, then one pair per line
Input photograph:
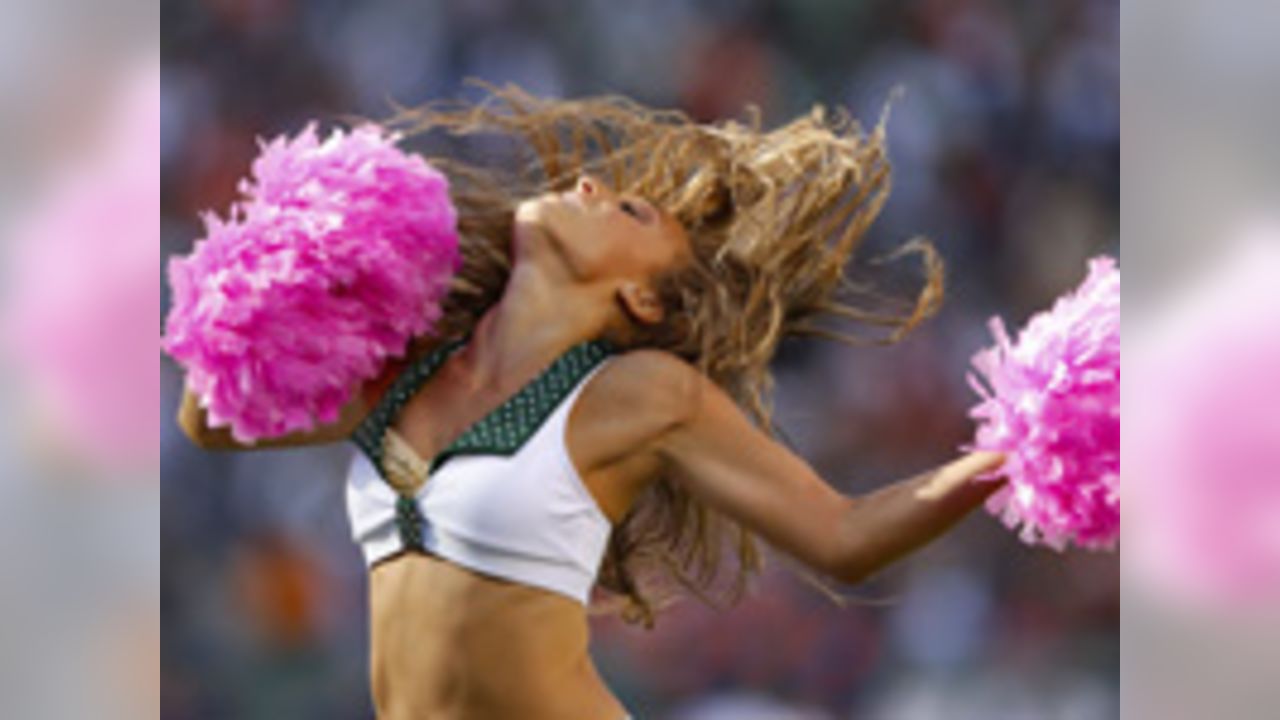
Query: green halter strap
x,y
501,432
504,430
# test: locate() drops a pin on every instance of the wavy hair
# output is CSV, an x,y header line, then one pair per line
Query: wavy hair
x,y
774,218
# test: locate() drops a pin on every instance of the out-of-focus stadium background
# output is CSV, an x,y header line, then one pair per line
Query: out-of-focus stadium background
x,y
1005,147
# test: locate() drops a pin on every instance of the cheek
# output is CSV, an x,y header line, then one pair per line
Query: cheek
x,y
647,252
587,247
635,253
601,247
604,249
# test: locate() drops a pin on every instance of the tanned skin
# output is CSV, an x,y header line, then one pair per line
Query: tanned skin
x,y
447,642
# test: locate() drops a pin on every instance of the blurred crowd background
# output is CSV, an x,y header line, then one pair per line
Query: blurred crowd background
x,y
1005,145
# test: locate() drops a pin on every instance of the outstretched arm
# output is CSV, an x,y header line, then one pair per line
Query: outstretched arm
x,y
735,467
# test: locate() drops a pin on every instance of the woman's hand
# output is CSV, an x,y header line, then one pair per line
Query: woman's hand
x,y
957,473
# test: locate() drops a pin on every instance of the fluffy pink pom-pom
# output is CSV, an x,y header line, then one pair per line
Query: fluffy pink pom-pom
x,y
1054,409
340,252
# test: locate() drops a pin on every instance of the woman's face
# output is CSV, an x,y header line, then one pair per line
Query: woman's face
x,y
597,234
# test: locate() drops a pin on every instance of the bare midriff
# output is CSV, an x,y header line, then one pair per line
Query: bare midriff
x,y
453,644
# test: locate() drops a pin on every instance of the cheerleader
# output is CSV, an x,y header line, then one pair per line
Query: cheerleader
x,y
588,428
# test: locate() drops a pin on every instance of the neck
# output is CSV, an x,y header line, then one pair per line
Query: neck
x,y
534,323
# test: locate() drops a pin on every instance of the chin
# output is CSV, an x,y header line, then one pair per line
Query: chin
x,y
531,210
532,225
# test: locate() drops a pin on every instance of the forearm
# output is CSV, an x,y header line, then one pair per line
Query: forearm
x,y
193,420
883,526
736,469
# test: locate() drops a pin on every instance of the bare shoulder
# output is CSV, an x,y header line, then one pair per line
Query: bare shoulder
x,y
629,405
654,381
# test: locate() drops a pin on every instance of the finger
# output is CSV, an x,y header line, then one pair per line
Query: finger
x,y
983,461
958,472
975,463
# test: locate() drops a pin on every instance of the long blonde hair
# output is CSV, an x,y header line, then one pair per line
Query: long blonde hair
x,y
774,219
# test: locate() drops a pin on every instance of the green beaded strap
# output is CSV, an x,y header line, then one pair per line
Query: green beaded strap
x,y
507,428
409,522
501,432
368,434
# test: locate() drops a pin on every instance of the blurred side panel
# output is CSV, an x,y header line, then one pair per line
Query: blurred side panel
x,y
1201,222
79,390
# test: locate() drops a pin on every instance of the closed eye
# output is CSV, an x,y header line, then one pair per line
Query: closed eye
x,y
634,210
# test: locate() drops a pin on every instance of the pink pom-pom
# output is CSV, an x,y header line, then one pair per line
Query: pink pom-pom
x,y
1054,409
340,253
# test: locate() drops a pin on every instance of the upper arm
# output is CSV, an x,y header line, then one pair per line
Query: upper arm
x,y
738,469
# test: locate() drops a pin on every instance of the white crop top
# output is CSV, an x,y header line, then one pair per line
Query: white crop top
x,y
527,517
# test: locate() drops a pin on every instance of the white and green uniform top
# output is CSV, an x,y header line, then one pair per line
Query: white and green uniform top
x,y
504,499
